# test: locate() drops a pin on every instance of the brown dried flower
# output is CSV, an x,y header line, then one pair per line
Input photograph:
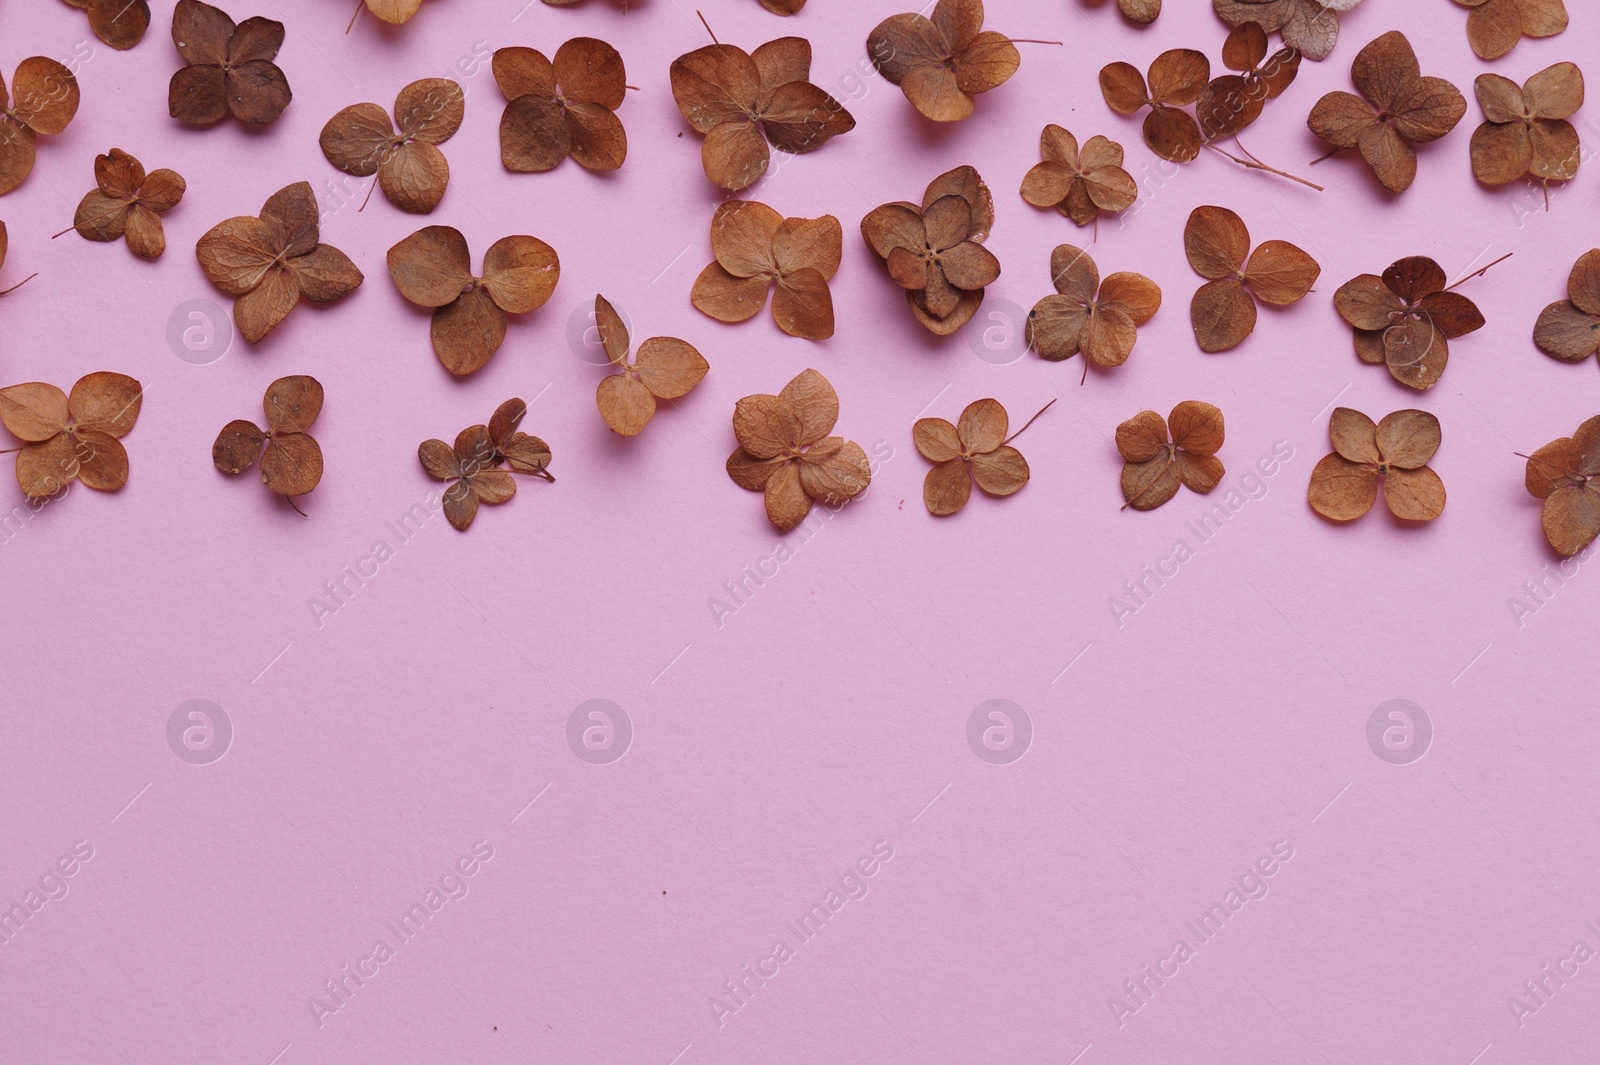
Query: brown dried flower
x,y
291,461
942,63
128,202
1570,330
783,7
433,268
1495,26
394,12
411,169
755,248
1308,26
1177,77
268,262
1142,12
665,368
46,98
741,101
975,449
1231,102
1525,132
785,451
561,108
942,306
1565,474
1099,319
1079,183
76,437
473,465
1397,108
119,23
1406,319
228,69
1223,311
1395,451
1156,462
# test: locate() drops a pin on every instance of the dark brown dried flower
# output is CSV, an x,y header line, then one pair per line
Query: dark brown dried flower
x,y
1079,183
561,108
128,202
291,461
228,69
411,169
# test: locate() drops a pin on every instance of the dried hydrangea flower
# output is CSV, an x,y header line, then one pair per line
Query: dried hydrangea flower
x,y
290,460
1525,132
1098,318
1570,329
1080,183
976,450
1394,452
563,107
1495,26
1223,311
412,171
1156,461
943,62
228,68
72,437
127,202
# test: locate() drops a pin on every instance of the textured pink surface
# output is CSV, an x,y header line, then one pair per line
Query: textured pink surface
x,y
830,710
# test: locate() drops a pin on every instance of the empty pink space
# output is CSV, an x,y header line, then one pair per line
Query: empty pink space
x,y
623,774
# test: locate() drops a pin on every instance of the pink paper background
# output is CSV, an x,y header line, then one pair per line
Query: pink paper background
x,y
830,710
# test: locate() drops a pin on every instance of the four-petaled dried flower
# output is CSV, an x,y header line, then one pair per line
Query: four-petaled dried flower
x,y
1177,77
1396,451
411,169
754,248
943,62
741,101
1406,319
433,268
1570,330
1495,26
975,449
72,437
228,69
267,263
1156,462
291,461
941,306
665,368
473,465
1565,474
1397,108
1080,183
45,99
1525,130
785,450
561,108
128,202
119,23
1223,311
1098,318
1231,102
1308,26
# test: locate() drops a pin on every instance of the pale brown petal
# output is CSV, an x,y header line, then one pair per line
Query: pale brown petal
x,y
325,274
102,461
1136,295
438,459
625,404
1415,495
1571,518
1342,490
520,273
893,225
1391,157
355,139
750,472
237,446
1172,134
1177,76
782,61
936,439
235,254
1451,313
946,487
802,305
801,118
669,367
99,217
598,141
1583,285
742,236
901,43
728,298
787,502
1147,485
969,265
292,403
34,411
430,110
1000,472
1341,118
814,403
1055,327
1353,435
983,426
414,177
534,135
1501,152
1108,337
468,331
613,332
146,237
45,468
1123,88
1554,92
1556,150
257,92
198,95
989,61
1280,273
263,307
1142,437
292,464
460,505
1216,241
1198,473
1567,333
1408,438
1057,145
813,242
838,475
935,91
521,71
1047,184
292,215
714,85
1416,352
45,95
1073,273
766,426
1223,315
1197,427
1367,303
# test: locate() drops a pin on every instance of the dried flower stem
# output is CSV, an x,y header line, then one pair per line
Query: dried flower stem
x,y
707,25
359,5
1255,164
18,285
1029,422
1485,270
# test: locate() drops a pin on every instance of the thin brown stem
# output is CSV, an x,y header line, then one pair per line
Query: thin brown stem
x,y
1485,270
1027,40
1254,164
1542,462
1140,493
1329,154
1031,420
359,5
368,196
19,284
121,206
707,25
297,510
